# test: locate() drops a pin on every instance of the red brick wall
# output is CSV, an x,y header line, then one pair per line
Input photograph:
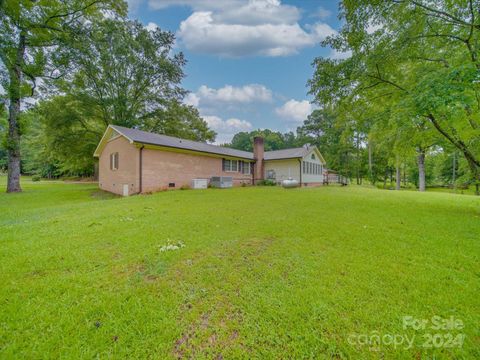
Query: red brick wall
x,y
127,172
258,154
163,167
159,168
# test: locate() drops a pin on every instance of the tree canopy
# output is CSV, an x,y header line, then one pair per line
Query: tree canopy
x,y
93,67
413,74
273,140
33,38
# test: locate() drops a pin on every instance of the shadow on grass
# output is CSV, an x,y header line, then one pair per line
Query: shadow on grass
x,y
98,194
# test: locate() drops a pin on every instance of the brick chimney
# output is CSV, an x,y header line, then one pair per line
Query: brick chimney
x,y
258,150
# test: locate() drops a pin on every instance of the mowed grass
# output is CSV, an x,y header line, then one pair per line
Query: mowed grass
x,y
265,272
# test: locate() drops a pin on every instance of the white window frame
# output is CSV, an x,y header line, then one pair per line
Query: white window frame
x,y
246,168
114,160
229,167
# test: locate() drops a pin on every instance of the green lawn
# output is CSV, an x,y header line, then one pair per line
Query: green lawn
x,y
264,273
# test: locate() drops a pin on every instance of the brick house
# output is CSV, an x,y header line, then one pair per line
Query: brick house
x,y
133,161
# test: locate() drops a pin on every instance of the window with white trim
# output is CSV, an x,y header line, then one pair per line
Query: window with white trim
x,y
231,165
114,161
246,167
243,167
311,168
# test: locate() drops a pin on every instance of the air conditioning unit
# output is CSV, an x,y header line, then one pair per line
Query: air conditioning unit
x,y
221,181
199,183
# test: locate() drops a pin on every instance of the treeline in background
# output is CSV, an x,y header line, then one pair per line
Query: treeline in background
x,y
397,106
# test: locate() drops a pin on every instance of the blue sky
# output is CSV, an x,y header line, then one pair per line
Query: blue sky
x,y
248,60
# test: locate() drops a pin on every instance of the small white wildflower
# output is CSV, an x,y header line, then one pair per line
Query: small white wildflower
x,y
170,247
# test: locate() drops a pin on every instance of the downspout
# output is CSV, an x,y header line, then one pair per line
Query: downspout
x,y
300,161
140,169
252,170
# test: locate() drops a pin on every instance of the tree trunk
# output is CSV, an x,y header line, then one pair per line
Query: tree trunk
x,y
421,169
454,171
370,162
13,140
398,176
358,158
473,162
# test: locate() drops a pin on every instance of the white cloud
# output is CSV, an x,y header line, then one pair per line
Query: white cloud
x,y
294,110
151,26
339,55
226,128
231,125
235,28
322,13
200,32
320,31
232,94
257,12
191,99
133,5
194,4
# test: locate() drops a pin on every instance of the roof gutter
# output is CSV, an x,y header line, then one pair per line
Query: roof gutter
x,y
286,158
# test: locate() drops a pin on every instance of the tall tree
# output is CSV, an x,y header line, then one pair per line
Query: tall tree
x,y
3,138
324,129
180,120
32,35
118,73
273,140
125,72
423,56
122,74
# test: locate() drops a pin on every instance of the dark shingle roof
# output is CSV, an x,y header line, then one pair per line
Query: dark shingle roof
x,y
286,153
144,137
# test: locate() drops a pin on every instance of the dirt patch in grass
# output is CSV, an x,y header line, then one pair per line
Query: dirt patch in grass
x,y
148,270
213,322
183,343
210,336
